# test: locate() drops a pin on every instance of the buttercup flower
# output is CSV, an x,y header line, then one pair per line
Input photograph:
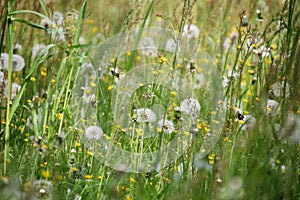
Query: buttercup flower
x,y
190,106
94,132
147,47
18,62
145,115
191,31
166,125
278,88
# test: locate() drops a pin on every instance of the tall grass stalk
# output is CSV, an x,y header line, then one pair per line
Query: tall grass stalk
x,y
10,25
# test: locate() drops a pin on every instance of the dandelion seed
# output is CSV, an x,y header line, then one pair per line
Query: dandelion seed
x,y
145,115
190,106
278,87
94,132
191,31
147,47
166,126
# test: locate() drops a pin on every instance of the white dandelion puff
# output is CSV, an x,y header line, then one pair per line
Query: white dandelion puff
x,y
166,125
145,115
58,18
291,129
190,106
37,49
94,132
147,47
278,89
18,62
171,46
191,31
46,23
15,88
249,122
272,107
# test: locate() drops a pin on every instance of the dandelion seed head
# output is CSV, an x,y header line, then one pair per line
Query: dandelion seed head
x,y
147,47
272,107
58,18
166,125
145,115
94,132
46,23
190,106
291,129
14,90
18,62
191,31
171,46
278,87
249,122
36,49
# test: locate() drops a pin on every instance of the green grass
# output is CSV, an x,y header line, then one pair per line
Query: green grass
x,y
43,150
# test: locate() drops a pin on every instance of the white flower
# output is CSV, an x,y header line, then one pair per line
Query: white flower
x,y
14,90
191,31
166,125
190,106
18,62
145,115
278,88
94,132
272,107
249,122
147,47
36,49
171,46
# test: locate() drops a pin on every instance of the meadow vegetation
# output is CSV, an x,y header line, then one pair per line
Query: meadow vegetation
x,y
48,48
